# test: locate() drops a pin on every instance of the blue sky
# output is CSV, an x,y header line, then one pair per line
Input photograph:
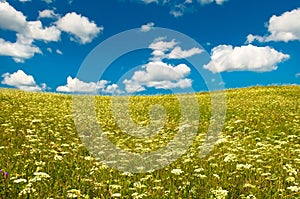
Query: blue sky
x,y
43,44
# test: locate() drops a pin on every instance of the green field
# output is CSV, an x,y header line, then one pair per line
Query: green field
x,y
257,155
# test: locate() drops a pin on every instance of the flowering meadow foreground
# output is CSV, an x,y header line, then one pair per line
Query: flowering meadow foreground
x,y
257,156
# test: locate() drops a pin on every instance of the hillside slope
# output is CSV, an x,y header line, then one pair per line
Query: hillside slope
x,y
257,156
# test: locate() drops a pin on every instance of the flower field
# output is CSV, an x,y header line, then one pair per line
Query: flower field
x,y
257,155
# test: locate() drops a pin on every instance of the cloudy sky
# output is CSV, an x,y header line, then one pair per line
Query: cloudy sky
x,y
44,43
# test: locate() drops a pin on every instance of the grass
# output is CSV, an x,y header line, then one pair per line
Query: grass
x,y
257,156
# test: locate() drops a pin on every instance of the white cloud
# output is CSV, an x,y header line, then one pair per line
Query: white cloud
x,y
285,27
149,1
83,30
219,2
176,13
147,27
22,81
59,52
250,58
113,89
159,75
25,0
11,19
297,75
48,14
81,27
178,8
48,1
169,49
26,33
18,50
160,48
76,85
178,53
38,32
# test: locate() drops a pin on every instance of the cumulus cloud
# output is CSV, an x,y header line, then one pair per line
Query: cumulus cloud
x,y
11,19
83,30
170,49
22,81
244,58
48,1
76,85
18,50
81,27
218,2
179,7
149,1
26,33
48,14
177,13
112,89
38,32
160,48
297,75
159,75
178,53
285,27
147,27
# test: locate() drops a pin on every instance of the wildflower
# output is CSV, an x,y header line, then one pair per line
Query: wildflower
x,y
117,195
58,157
27,191
290,179
219,193
139,185
115,186
294,188
250,196
216,176
177,171
41,174
73,193
127,174
5,174
243,166
138,196
230,158
17,181
266,174
198,170
249,185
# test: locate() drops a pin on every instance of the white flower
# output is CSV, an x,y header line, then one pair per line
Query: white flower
x,y
216,176
73,193
58,157
290,179
20,180
139,185
41,174
230,158
117,195
177,171
219,193
294,188
243,166
198,170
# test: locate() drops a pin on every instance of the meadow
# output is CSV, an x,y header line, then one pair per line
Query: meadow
x,y
257,155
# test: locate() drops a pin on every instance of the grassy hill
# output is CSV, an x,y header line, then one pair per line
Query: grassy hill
x,y
257,156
